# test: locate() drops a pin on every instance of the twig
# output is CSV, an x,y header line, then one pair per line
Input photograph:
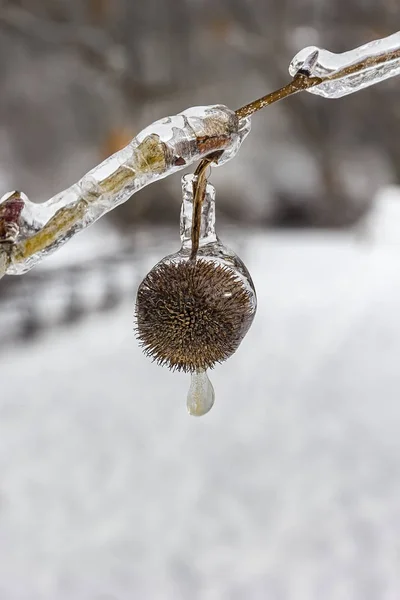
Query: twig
x,y
203,133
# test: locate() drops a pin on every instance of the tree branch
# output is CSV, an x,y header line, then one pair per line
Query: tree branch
x,y
28,232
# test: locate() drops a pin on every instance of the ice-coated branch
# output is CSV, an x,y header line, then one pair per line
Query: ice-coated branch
x,y
343,74
330,75
29,231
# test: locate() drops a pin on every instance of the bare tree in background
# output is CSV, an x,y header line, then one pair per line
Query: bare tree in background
x,y
81,77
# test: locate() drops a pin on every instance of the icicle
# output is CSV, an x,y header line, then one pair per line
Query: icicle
x,y
350,71
201,396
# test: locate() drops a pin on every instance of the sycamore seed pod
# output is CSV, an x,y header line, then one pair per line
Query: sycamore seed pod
x,y
192,314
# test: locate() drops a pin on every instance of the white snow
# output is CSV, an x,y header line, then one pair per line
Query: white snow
x,y
289,489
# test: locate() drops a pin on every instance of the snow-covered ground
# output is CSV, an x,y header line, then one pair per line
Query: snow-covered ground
x,y
289,489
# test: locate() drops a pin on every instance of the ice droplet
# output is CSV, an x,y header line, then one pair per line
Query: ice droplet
x,y
201,394
377,61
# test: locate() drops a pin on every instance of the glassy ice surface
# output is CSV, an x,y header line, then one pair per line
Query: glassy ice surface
x,y
201,393
201,396
166,146
3,264
210,246
329,64
207,229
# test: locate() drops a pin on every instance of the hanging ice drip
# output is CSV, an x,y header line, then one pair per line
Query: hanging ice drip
x,y
193,310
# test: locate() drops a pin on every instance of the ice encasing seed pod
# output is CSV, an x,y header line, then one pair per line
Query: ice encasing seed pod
x,y
192,314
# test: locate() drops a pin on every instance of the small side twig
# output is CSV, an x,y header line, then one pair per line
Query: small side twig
x,y
303,80
300,82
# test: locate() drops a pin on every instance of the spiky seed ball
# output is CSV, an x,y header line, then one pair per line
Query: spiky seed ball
x,y
191,315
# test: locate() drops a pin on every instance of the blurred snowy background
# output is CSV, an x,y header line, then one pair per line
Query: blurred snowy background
x,y
290,488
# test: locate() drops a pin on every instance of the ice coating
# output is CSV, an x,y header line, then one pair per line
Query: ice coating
x,y
210,246
350,71
192,323
207,228
201,396
166,146
3,264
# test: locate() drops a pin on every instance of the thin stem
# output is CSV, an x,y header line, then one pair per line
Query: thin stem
x,y
299,83
304,80
199,191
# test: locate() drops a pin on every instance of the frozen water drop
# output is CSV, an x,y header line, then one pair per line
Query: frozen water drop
x,y
201,394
